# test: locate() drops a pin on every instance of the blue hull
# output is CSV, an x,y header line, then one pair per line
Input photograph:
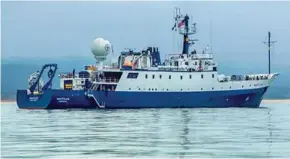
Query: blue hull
x,y
64,99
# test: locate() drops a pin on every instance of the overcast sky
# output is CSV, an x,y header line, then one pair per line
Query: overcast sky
x,y
52,29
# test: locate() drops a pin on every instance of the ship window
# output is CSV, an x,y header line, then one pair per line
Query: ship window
x,y
180,77
189,76
160,76
186,63
201,88
139,89
212,75
146,76
153,76
180,89
212,88
230,87
132,75
129,88
242,86
175,63
201,76
195,63
169,76
149,89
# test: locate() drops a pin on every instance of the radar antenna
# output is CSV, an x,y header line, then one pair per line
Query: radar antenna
x,y
269,43
184,29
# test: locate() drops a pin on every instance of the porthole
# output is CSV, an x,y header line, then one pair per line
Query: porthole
x,y
242,86
212,88
201,88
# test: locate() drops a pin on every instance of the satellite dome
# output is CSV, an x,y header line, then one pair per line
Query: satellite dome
x,y
100,48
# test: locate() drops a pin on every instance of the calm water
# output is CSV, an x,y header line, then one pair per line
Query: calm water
x,y
227,132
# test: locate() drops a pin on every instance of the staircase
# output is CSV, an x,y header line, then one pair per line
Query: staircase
x,y
89,94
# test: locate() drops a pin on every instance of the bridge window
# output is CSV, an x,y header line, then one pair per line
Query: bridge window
x,y
132,75
175,63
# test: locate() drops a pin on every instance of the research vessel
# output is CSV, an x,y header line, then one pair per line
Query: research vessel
x,y
140,79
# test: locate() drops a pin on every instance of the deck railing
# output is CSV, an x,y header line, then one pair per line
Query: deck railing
x,y
108,80
243,78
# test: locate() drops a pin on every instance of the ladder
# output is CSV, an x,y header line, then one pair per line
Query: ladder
x,y
89,94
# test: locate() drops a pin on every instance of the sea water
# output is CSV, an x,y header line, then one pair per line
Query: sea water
x,y
162,133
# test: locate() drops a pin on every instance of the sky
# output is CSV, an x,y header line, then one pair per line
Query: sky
x,y
57,29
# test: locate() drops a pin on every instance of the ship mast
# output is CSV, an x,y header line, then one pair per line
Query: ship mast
x,y
269,43
182,22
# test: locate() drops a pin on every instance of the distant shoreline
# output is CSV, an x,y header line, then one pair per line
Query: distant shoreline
x,y
263,101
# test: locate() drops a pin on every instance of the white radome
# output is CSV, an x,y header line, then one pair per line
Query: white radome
x,y
100,48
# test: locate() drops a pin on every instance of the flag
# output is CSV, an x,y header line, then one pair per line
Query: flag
x,y
180,24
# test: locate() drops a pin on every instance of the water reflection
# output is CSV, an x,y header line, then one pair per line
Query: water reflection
x,y
161,133
184,134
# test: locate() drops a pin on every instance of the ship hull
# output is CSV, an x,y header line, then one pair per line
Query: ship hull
x,y
63,99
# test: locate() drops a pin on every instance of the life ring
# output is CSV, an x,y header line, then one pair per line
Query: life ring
x,y
49,73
